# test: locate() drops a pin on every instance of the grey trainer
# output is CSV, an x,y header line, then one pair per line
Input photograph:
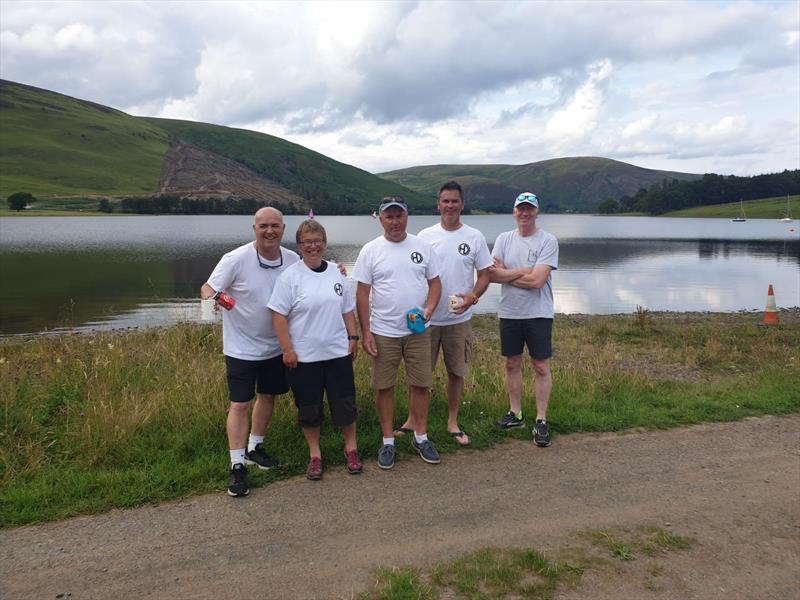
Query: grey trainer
x,y
427,451
386,456
511,420
541,436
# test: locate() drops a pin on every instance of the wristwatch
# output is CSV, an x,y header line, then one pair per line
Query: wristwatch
x,y
474,299
354,337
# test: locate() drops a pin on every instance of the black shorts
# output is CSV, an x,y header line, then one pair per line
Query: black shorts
x,y
537,334
311,380
264,376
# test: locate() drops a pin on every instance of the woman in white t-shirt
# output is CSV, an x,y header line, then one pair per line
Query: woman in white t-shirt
x,y
312,312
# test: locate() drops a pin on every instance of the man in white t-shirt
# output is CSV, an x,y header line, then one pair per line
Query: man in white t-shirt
x,y
524,259
461,251
402,273
252,352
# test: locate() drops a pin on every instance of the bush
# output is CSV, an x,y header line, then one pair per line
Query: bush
x,y
20,200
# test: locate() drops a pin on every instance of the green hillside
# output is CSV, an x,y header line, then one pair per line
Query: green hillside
x,y
562,184
766,208
323,181
51,144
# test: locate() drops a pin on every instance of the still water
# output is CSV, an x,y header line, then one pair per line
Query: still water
x,y
117,272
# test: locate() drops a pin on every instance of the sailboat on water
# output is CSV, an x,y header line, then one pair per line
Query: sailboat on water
x,y
787,217
742,217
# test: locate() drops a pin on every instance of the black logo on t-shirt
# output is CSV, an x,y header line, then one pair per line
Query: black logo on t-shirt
x,y
416,257
463,249
337,287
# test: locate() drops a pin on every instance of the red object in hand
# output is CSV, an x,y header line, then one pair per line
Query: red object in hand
x,y
224,300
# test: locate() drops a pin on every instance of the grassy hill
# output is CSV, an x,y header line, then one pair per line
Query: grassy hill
x,y
306,173
578,183
51,144
765,208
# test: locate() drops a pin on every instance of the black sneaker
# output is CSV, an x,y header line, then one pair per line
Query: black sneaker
x,y
260,458
237,482
511,420
386,456
541,437
427,451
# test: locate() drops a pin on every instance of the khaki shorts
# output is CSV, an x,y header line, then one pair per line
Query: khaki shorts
x,y
456,344
414,349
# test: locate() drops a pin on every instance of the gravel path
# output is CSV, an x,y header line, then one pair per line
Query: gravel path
x,y
735,487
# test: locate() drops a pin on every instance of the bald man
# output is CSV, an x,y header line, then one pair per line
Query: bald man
x,y
252,352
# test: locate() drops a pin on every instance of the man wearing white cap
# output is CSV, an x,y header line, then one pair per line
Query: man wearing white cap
x,y
401,272
523,261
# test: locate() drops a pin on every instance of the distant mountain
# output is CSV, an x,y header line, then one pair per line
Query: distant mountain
x,y
54,145
577,184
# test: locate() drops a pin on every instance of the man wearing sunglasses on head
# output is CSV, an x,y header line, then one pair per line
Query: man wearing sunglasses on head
x,y
252,351
523,261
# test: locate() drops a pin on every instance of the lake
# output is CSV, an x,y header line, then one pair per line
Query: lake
x,y
84,273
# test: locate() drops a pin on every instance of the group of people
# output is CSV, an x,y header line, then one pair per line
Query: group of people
x,y
293,325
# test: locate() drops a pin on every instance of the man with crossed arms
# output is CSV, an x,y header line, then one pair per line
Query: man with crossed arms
x,y
524,259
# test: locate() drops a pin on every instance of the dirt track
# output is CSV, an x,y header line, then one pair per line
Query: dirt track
x,y
734,487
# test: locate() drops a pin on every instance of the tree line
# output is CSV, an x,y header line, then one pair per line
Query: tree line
x,y
322,204
176,205
710,189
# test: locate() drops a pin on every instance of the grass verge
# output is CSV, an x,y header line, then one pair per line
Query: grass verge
x,y
120,419
495,573
764,208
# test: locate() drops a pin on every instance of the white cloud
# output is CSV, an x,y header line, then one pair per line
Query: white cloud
x,y
578,119
639,126
392,84
727,129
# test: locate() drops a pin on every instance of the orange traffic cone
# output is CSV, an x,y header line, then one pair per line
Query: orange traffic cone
x,y
771,311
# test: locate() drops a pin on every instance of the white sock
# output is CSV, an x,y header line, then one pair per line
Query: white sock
x,y
388,441
421,438
237,456
253,441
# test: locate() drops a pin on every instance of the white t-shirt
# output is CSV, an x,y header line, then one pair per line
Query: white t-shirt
x,y
314,303
460,253
398,273
247,331
516,252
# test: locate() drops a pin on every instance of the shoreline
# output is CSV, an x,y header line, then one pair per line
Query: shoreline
x,y
78,213
789,311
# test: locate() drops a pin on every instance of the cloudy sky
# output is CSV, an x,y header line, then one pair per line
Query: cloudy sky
x,y
685,86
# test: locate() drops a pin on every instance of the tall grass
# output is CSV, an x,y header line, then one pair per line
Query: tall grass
x,y
92,422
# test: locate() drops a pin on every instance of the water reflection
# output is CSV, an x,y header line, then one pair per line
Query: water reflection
x,y
112,288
